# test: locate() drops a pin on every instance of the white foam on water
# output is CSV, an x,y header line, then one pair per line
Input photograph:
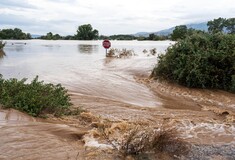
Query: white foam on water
x,y
93,143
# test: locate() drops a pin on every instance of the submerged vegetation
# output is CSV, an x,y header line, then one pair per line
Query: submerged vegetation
x,y
117,53
2,54
140,141
202,60
35,98
2,45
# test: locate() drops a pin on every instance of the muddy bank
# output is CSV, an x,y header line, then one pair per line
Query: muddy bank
x,y
203,118
209,133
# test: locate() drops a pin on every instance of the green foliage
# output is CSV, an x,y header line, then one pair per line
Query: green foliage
x,y
14,34
86,32
216,25
121,37
153,37
69,37
201,60
34,98
222,25
230,25
180,32
50,36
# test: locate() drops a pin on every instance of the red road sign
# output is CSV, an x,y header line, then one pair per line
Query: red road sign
x,y
106,44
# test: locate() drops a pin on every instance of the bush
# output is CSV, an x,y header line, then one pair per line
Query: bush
x,y
34,98
123,53
140,140
2,54
201,60
2,45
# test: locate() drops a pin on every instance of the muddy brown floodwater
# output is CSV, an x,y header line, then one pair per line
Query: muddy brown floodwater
x,y
117,89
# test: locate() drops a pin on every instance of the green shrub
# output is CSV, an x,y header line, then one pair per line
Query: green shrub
x,y
34,98
201,60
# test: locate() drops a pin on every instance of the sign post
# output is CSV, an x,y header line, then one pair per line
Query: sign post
x,y
106,45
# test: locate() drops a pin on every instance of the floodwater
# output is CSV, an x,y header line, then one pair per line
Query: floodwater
x,y
82,67
114,88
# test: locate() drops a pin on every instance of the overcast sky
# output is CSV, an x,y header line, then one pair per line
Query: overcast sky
x,y
109,16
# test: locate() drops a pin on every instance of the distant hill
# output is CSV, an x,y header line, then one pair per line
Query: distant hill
x,y
198,26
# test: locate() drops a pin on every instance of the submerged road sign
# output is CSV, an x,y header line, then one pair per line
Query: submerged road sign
x,y
106,44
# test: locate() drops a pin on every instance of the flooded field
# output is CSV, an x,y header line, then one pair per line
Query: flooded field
x,y
117,89
81,66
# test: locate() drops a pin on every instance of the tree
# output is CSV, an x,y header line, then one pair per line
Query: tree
x,y
179,32
230,25
216,25
69,37
151,36
28,36
13,34
56,37
86,32
49,36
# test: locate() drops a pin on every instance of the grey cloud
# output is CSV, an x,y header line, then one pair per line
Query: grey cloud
x,y
35,26
10,19
16,4
62,1
109,17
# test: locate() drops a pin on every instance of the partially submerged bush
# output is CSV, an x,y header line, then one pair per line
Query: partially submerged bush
x,y
200,60
2,54
141,140
2,45
153,51
113,52
34,98
144,140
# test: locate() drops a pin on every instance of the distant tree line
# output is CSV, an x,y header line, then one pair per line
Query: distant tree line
x,y
14,34
118,37
86,32
151,37
51,36
219,25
